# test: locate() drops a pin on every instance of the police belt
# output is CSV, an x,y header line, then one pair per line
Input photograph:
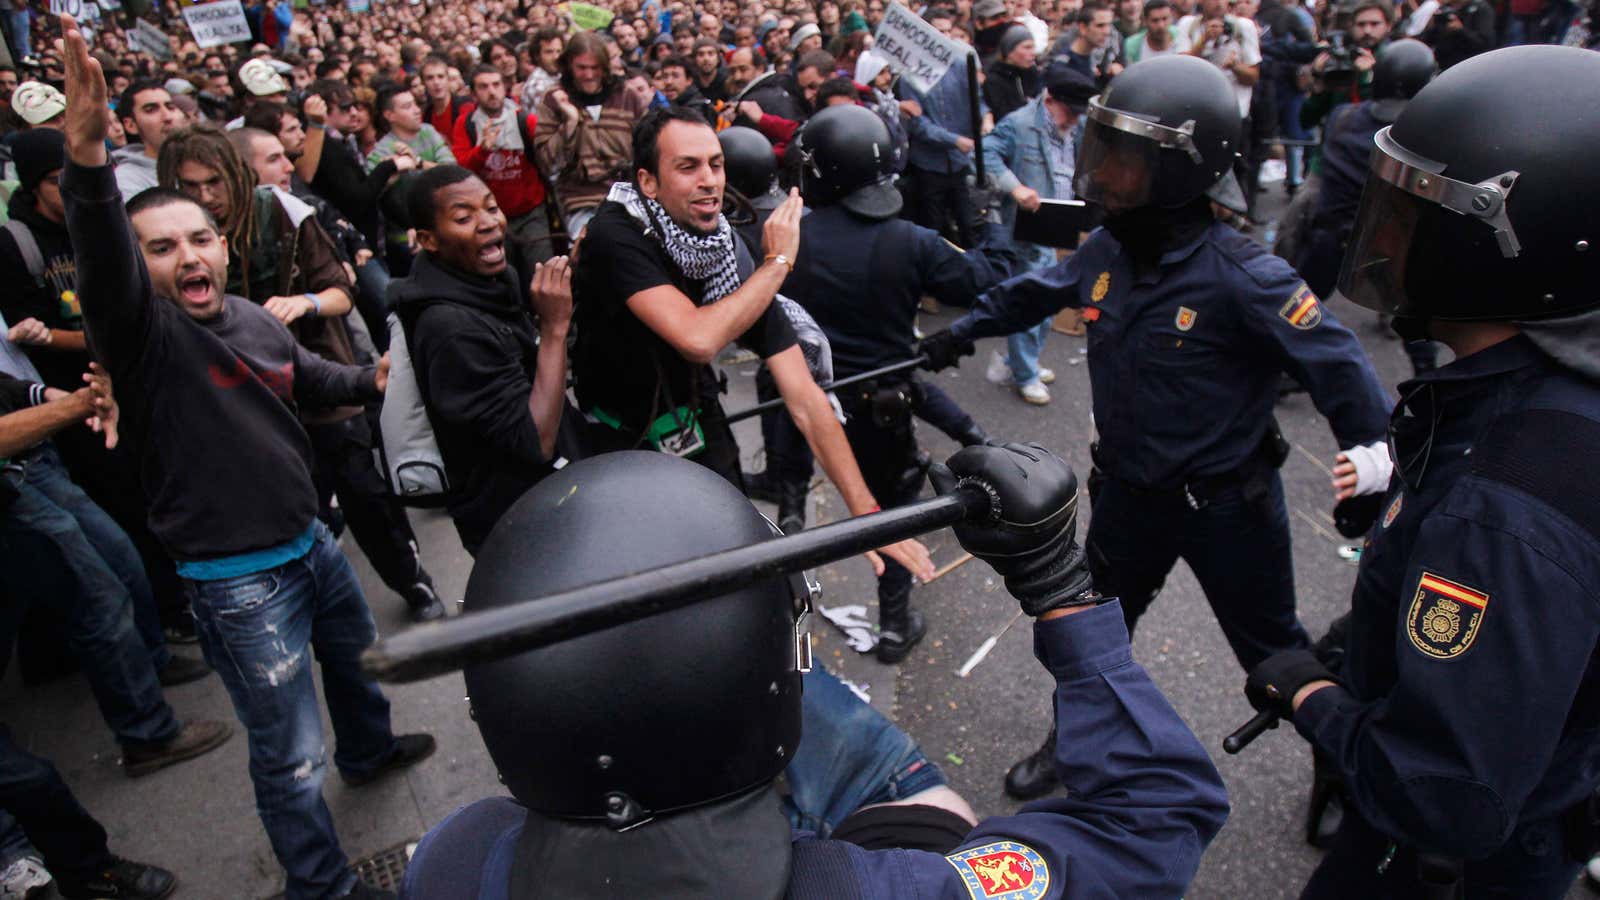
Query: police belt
x,y
1197,490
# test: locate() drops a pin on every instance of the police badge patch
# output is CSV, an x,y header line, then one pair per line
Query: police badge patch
x,y
1302,311
1444,616
1005,870
1102,286
1185,318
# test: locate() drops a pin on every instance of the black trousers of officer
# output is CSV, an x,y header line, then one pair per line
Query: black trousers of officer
x,y
1239,551
344,466
887,455
1533,865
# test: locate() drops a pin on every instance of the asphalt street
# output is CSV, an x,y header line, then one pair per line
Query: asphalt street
x,y
198,818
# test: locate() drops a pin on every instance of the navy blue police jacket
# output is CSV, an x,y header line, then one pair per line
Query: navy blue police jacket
x,y
1471,697
1143,802
1184,360
861,280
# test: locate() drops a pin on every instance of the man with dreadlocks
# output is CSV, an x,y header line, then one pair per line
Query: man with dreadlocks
x,y
662,284
280,257
210,384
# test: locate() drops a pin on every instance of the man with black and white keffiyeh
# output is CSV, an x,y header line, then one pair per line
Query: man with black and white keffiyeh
x,y
651,246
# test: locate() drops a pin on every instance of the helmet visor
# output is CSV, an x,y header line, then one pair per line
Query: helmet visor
x,y
1127,162
1402,190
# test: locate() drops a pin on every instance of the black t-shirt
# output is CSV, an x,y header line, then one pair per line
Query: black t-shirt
x,y
620,365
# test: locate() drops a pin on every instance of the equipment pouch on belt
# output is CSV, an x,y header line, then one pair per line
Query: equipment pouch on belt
x,y
891,404
1269,457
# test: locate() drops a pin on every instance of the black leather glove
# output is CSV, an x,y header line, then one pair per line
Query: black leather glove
x,y
1275,680
941,350
1031,536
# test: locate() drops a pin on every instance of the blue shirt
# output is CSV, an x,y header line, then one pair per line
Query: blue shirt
x,y
1184,361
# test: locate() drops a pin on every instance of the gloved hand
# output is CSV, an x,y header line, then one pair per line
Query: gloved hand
x,y
941,350
1274,681
1031,537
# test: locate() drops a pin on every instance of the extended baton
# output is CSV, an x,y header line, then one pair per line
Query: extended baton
x,y
478,637
1249,731
890,369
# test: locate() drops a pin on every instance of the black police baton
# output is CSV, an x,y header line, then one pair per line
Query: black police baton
x,y
1257,726
477,637
890,369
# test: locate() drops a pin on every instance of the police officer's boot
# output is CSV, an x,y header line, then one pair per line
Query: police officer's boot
x,y
899,627
973,435
792,505
1035,774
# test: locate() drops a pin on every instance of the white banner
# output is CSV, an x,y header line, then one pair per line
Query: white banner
x,y
214,24
916,50
146,37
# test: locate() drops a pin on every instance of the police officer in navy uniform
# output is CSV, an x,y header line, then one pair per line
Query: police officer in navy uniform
x,y
641,758
1466,719
1190,326
860,273
1402,70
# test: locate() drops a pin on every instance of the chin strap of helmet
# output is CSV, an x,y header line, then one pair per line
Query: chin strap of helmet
x,y
1149,231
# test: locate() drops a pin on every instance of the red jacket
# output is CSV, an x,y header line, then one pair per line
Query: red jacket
x,y
512,175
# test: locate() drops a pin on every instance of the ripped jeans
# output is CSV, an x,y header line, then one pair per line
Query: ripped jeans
x,y
259,632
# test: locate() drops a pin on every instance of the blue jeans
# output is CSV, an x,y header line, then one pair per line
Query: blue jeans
x,y
31,790
58,547
850,756
14,843
258,631
1023,348
20,35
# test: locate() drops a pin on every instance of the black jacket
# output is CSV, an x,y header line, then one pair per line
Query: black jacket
x,y
344,181
1007,88
473,348
1475,35
51,297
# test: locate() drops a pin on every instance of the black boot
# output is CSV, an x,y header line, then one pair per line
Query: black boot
x,y
973,435
760,486
1035,774
792,505
899,627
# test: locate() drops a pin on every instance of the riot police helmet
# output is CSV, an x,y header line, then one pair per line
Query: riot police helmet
x,y
1482,201
847,157
1164,133
636,737
748,160
1404,68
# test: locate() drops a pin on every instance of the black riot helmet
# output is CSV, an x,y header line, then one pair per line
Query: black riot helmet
x,y
616,734
1403,68
748,159
1164,133
847,157
1483,201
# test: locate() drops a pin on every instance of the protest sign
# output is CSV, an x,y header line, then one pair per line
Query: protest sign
x,y
147,37
214,24
916,50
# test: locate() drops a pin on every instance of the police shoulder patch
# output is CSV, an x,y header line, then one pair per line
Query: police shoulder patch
x,y
1102,286
1003,870
1444,616
1302,310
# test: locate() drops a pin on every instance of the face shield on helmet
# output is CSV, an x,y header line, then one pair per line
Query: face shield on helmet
x,y
1403,191
1127,162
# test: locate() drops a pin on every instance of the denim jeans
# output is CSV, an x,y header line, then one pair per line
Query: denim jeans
x,y
32,791
58,547
20,34
849,756
259,631
14,843
1022,352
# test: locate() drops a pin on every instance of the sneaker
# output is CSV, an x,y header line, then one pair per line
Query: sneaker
x,y
122,879
999,371
182,670
1047,376
24,879
409,749
422,603
1035,393
192,740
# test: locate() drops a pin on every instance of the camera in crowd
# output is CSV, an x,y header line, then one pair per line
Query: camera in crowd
x,y
1341,55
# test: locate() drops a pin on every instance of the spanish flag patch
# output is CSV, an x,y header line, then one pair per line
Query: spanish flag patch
x,y
1302,311
1444,616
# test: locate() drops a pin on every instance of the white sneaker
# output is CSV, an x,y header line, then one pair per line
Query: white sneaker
x,y
1035,393
999,371
1047,376
25,878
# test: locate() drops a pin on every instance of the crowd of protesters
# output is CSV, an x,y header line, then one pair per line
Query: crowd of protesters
x,y
287,194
